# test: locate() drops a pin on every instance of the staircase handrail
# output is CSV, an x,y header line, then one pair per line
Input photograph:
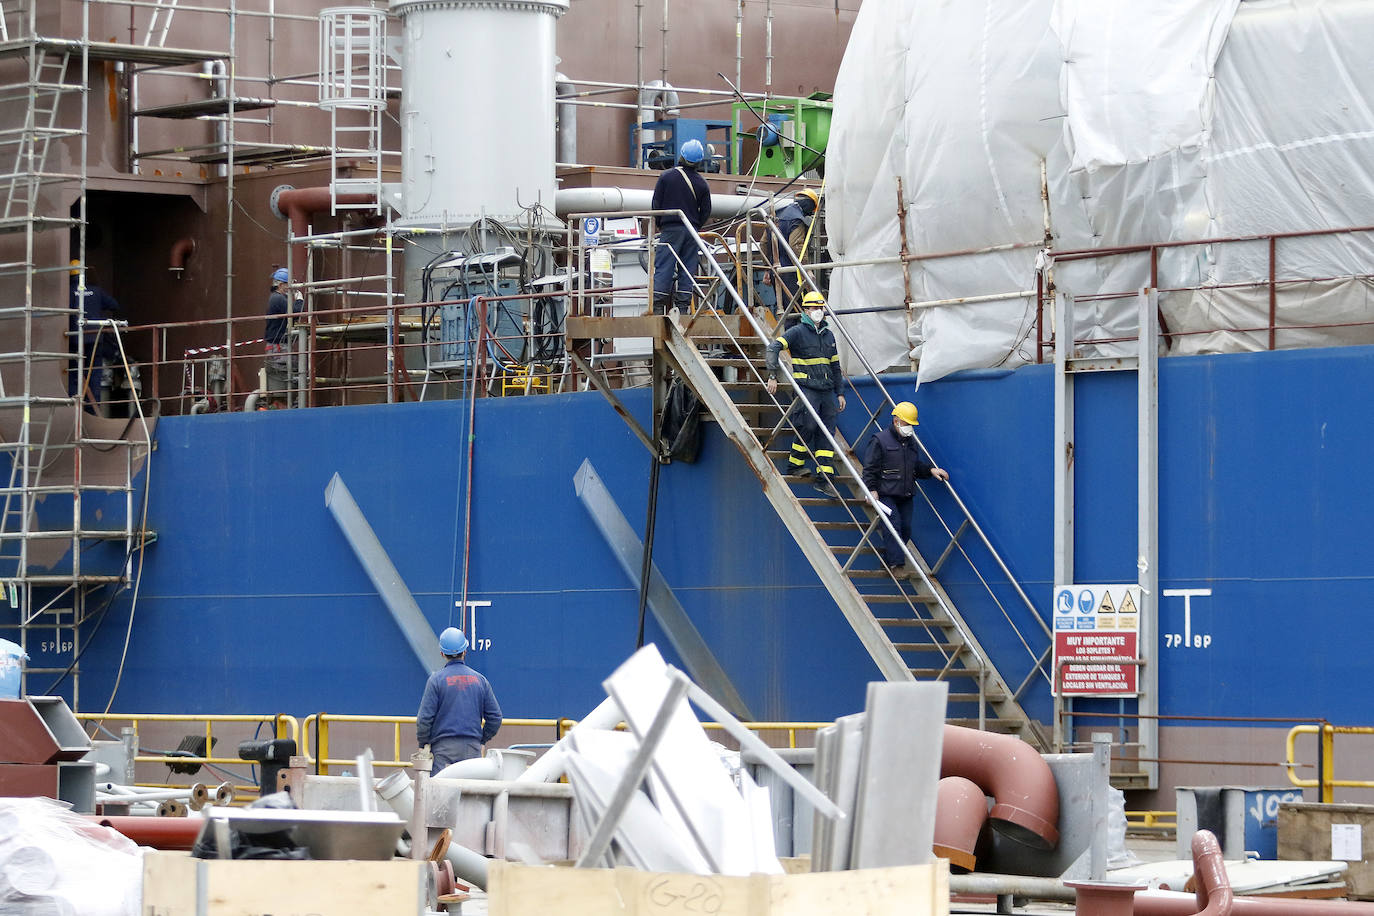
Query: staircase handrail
x,y
891,402
970,644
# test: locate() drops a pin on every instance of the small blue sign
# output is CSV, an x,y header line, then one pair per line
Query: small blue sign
x,y
1086,602
1063,602
1063,623
1087,623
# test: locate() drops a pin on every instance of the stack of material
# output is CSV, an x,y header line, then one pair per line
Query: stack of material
x,y
881,768
661,798
53,861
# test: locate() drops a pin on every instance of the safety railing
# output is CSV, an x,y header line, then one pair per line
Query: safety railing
x,y
1326,780
1162,821
1272,283
278,725
318,734
963,522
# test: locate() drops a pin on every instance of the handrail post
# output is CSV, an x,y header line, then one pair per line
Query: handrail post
x,y
1326,764
322,744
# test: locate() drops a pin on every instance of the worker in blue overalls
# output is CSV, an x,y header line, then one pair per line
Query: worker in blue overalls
x,y
458,712
816,368
675,256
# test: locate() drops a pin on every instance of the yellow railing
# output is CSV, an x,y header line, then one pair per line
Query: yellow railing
x,y
283,726
1152,820
1326,779
315,735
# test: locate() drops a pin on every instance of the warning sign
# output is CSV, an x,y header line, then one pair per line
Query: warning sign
x,y
1096,632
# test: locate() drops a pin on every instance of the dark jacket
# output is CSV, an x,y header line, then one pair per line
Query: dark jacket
x,y
458,703
682,189
892,463
815,362
275,331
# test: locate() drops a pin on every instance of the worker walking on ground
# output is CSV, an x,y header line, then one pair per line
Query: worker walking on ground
x,y
816,366
458,712
274,336
892,464
675,257
793,219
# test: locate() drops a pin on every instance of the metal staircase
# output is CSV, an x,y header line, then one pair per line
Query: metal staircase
x,y
910,628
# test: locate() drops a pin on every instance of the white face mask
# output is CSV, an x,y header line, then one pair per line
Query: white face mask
x,y
903,429
817,315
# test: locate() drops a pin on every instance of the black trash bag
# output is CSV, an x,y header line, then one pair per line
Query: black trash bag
x,y
269,844
681,432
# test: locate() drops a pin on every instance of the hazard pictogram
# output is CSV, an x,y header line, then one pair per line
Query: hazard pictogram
x,y
1106,607
1128,604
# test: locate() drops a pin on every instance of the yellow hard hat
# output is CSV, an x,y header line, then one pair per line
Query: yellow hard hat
x,y
814,197
906,412
75,266
813,299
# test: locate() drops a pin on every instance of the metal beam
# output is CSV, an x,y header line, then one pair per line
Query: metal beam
x,y
373,557
1147,536
663,604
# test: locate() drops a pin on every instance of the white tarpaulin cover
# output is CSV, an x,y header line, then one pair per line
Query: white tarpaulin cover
x,y
1168,121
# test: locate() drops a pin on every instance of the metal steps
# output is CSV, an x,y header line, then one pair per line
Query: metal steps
x,y
932,632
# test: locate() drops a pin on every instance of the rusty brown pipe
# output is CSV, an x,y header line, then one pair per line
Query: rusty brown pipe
x,y
182,249
299,204
961,810
1215,898
1025,796
157,832
1214,895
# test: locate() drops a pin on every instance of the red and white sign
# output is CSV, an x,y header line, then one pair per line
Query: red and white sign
x,y
1096,633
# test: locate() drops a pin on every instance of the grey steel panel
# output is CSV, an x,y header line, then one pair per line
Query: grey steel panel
x,y
667,610
372,555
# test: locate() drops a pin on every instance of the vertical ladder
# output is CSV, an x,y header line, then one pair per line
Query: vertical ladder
x,y
353,83
46,578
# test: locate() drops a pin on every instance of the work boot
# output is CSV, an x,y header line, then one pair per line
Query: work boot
x,y
823,485
662,304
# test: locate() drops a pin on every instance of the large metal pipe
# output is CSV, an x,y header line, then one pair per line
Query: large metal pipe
x,y
961,810
1214,893
1025,795
181,252
475,768
157,832
297,205
615,200
567,119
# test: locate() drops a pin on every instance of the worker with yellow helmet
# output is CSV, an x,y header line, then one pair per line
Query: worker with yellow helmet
x,y
816,370
893,462
793,219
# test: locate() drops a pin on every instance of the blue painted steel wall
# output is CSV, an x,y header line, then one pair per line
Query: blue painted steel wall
x,y
1264,496
252,601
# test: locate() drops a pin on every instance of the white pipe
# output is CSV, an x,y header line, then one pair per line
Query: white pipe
x,y
551,766
615,200
476,768
656,96
399,793
567,119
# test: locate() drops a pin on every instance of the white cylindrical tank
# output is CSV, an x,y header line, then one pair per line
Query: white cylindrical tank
x,y
477,108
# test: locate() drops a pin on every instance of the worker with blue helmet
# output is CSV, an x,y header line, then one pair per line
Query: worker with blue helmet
x,y
274,335
458,712
676,252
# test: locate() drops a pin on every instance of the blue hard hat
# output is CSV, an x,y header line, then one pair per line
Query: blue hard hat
x,y
280,275
692,152
453,641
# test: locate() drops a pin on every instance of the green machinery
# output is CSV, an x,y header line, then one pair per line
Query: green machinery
x,y
792,126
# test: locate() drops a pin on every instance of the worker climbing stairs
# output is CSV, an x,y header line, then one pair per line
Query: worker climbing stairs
x,y
910,627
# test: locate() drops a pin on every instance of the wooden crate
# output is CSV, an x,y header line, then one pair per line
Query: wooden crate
x,y
1305,833
912,890
174,884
